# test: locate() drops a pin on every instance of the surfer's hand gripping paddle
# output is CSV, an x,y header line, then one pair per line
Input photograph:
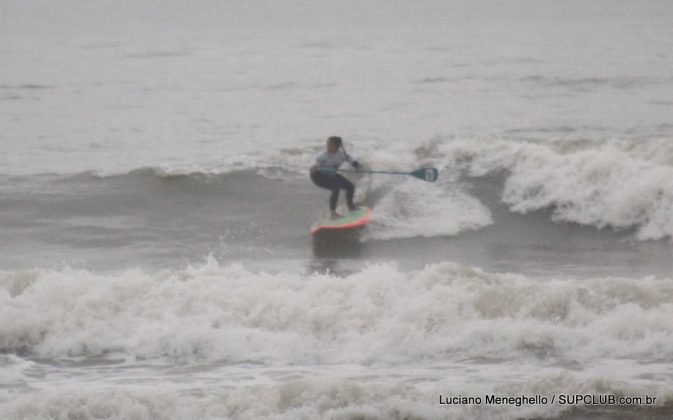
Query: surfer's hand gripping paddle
x,y
425,174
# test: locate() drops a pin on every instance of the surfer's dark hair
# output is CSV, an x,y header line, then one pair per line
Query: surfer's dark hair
x,y
336,140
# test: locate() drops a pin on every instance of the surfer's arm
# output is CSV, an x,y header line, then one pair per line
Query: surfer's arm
x,y
354,163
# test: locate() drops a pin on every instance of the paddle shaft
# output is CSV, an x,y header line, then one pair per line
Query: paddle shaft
x,y
367,172
425,174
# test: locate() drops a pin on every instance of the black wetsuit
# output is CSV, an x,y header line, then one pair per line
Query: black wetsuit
x,y
334,182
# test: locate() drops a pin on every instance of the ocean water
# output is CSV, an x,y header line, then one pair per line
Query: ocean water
x,y
155,261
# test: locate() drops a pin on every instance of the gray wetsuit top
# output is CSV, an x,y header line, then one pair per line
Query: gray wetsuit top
x,y
326,160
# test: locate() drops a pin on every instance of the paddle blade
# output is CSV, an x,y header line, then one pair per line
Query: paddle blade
x,y
426,174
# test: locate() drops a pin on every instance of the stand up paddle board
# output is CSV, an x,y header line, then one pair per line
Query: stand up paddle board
x,y
350,220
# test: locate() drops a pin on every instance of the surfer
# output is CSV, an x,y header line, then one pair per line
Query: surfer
x,y
324,175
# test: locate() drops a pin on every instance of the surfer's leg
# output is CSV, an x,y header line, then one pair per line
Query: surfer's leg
x,y
350,191
333,199
329,183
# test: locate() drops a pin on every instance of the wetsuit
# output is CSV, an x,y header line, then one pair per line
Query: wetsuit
x,y
331,180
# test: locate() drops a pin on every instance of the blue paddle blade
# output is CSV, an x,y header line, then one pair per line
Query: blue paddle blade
x,y
426,174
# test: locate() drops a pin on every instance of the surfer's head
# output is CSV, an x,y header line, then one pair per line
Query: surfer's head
x,y
334,143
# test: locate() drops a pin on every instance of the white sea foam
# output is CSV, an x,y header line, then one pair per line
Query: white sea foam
x,y
389,342
615,184
379,314
408,209
317,397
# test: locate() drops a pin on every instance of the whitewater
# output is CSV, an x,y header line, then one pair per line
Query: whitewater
x,y
222,342
155,206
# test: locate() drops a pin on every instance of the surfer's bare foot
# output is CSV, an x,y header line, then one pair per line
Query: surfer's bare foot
x,y
334,215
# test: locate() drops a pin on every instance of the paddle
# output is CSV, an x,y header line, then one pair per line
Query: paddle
x,y
425,174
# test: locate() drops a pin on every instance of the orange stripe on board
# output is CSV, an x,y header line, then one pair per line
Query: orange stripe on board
x,y
355,223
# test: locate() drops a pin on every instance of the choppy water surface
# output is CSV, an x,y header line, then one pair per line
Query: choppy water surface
x,y
154,208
